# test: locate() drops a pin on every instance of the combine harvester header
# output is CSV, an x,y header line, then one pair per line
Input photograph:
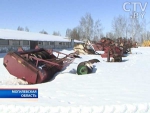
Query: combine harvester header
x,y
36,66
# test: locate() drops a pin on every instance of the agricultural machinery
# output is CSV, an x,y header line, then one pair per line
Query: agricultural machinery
x,y
114,52
125,44
84,49
102,44
37,65
106,45
116,48
40,65
86,67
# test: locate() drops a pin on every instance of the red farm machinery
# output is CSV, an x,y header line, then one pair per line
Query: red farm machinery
x,y
106,45
37,65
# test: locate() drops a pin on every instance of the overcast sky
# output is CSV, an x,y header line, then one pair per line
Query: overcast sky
x,y
58,15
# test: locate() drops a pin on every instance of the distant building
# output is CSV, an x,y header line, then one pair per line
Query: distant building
x,y
10,40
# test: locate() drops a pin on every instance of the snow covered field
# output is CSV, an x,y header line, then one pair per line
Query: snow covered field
x,y
111,88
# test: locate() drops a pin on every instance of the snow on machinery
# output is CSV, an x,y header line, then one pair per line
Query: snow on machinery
x,y
86,67
37,65
84,49
110,50
125,44
102,44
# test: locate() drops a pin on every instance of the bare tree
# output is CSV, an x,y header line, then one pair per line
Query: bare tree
x,y
75,34
145,32
26,29
43,32
56,33
97,30
20,28
68,33
86,26
135,28
110,35
119,26
148,35
87,29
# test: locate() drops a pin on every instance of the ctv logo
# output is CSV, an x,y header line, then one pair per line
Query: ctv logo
x,y
133,7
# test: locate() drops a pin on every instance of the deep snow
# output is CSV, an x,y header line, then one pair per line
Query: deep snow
x,y
112,87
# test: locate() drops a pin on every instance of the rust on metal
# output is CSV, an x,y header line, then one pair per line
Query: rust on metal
x,y
36,66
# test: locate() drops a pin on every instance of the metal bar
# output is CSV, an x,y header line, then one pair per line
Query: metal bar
x,y
44,61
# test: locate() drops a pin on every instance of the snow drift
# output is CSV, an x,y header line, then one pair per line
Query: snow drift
x,y
122,87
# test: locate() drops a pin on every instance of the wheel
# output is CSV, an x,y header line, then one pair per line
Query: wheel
x,y
117,59
120,59
82,69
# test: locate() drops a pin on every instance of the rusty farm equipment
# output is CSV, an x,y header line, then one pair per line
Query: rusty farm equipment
x,y
37,65
125,44
115,49
102,44
114,52
86,67
84,49
92,48
110,50
107,45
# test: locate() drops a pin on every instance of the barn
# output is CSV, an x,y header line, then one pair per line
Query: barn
x,y
10,40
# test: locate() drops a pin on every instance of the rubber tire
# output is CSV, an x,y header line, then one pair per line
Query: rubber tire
x,y
82,69
120,59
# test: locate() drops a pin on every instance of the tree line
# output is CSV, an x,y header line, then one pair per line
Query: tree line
x,y
127,27
89,29
122,27
42,31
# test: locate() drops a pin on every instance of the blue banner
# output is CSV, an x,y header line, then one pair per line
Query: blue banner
x,y
18,93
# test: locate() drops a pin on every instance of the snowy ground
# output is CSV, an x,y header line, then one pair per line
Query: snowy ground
x,y
111,88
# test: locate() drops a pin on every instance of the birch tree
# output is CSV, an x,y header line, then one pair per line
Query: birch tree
x,y
135,28
119,26
86,27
